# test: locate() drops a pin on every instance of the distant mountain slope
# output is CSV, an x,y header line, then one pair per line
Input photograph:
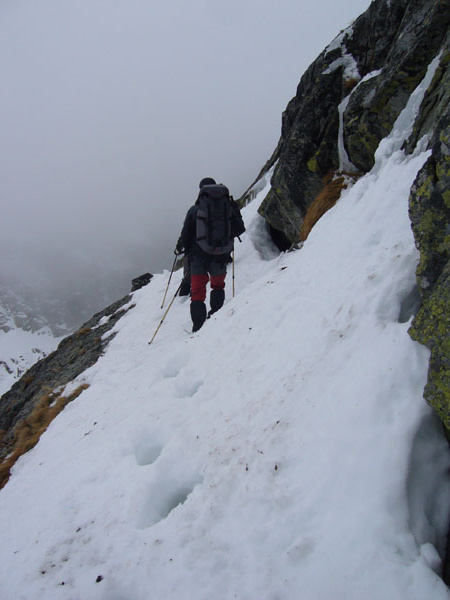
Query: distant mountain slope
x,y
25,337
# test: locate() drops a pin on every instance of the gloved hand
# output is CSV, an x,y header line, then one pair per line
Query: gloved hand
x,y
179,249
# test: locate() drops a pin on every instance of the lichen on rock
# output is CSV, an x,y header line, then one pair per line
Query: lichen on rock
x,y
429,209
431,327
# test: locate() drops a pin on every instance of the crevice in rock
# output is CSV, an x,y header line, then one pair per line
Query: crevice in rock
x,y
410,304
279,238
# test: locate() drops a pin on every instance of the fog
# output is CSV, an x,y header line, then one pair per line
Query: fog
x,y
112,111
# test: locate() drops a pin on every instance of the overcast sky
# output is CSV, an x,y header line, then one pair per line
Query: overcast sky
x,y
111,111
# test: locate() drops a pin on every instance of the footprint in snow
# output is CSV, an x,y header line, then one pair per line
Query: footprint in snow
x,y
174,364
169,494
187,386
146,451
147,445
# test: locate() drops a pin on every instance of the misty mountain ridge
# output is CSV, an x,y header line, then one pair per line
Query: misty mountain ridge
x,y
32,325
66,299
15,312
286,450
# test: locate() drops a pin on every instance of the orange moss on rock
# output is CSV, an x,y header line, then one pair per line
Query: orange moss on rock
x,y
326,199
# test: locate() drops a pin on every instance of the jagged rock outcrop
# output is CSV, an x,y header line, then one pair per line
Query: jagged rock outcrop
x,y
138,282
73,356
347,101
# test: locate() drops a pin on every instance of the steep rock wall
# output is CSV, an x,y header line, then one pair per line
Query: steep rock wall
x,y
375,105
430,217
347,101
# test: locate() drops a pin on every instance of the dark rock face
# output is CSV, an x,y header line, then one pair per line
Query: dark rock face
x,y
307,149
73,356
414,38
393,42
430,218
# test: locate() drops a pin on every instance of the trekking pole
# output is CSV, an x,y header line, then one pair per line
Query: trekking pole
x,y
164,315
170,277
233,273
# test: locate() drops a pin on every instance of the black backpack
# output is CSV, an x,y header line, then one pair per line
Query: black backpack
x,y
214,230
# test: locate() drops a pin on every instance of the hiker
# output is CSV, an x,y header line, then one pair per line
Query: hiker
x,y
207,239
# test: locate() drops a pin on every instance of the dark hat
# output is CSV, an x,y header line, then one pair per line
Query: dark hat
x,y
207,181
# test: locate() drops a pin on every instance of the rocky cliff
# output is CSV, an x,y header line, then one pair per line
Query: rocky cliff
x,y
346,103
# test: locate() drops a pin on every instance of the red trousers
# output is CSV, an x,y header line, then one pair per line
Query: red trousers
x,y
199,282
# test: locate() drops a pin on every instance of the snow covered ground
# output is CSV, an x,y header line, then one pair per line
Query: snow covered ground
x,y
283,452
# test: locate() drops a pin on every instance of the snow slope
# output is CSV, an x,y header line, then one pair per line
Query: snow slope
x,y
283,452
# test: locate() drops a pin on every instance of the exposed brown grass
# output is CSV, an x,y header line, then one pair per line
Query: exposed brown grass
x,y
83,331
28,378
325,200
28,431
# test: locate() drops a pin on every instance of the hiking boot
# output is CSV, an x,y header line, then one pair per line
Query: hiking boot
x,y
216,300
198,314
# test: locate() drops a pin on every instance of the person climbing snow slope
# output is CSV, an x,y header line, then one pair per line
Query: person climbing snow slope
x,y
207,238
